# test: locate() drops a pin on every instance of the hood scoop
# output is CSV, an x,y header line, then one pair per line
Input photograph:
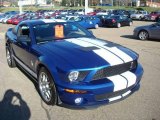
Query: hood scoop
x,y
89,48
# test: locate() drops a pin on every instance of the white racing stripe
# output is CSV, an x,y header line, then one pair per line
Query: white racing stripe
x,y
115,50
48,20
108,56
131,77
126,93
120,53
119,82
122,82
80,43
105,54
119,97
115,98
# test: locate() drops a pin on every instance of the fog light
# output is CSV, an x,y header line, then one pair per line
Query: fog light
x,y
78,100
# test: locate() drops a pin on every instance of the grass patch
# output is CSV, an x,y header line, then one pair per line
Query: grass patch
x,y
33,8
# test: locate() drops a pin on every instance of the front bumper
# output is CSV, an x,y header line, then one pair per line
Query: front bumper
x,y
150,18
98,94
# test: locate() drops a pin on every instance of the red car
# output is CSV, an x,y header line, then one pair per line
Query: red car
x,y
19,19
10,21
93,13
153,16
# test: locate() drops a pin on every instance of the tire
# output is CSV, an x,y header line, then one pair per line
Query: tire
x,y
130,23
140,18
10,60
143,35
47,87
96,26
118,25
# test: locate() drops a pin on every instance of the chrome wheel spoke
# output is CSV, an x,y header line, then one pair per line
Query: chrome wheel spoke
x,y
45,87
8,57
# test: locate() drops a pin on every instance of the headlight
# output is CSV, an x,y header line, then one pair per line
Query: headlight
x,y
73,76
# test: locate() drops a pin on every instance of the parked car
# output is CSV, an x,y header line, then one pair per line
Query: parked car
x,y
3,18
80,12
89,22
139,15
102,18
153,16
10,21
19,19
117,21
103,12
70,65
147,32
64,12
121,12
7,18
92,13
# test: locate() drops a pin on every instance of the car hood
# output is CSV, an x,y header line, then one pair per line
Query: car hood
x,y
83,53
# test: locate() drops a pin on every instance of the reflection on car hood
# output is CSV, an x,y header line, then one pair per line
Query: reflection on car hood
x,y
83,53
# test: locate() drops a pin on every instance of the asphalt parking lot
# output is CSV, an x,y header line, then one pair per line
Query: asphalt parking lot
x,y
19,98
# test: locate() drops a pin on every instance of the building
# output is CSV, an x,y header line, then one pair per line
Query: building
x,y
152,4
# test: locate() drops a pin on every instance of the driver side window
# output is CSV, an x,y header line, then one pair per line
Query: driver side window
x,y
23,34
23,30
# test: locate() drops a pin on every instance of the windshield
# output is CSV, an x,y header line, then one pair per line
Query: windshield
x,y
59,31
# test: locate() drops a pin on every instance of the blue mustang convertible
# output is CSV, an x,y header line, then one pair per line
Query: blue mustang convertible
x,y
70,65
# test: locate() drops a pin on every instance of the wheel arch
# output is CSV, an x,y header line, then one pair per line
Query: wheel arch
x,y
40,65
145,31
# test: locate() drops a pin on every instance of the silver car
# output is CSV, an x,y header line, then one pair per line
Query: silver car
x,y
149,31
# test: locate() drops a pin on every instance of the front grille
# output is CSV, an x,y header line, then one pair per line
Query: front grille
x,y
82,75
115,70
112,94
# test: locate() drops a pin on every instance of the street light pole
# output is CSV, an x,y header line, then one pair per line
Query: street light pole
x,y
20,4
86,6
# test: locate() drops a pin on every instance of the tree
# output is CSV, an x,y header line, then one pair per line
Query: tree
x,y
64,2
48,1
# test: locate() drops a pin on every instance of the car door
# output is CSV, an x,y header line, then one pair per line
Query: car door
x,y
125,20
122,21
155,31
23,50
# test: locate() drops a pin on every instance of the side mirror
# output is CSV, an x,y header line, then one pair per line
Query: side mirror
x,y
24,38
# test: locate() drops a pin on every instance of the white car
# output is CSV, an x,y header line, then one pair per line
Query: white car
x,y
70,18
103,12
80,12
139,15
64,12
1,19
6,18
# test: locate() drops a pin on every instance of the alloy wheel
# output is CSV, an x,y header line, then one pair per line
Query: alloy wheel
x,y
143,35
44,86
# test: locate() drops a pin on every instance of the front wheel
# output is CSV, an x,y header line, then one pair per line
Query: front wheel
x,y
47,87
143,35
10,60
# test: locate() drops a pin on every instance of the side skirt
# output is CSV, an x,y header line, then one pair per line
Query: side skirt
x,y
26,69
